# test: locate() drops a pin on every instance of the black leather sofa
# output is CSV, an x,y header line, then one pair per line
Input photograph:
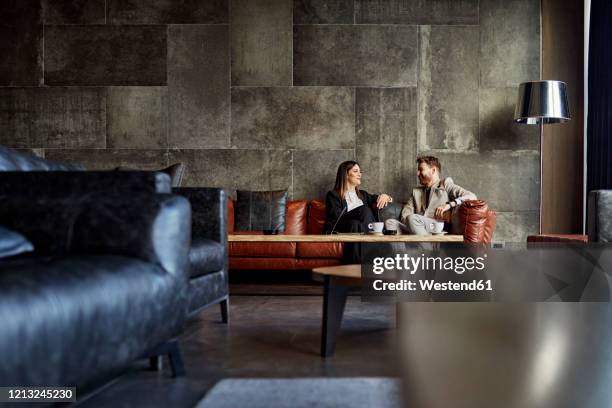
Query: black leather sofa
x,y
107,284
208,255
113,276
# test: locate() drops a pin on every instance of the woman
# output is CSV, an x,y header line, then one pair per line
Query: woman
x,y
347,208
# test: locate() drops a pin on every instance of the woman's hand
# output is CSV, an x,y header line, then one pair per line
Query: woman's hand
x,y
382,201
441,210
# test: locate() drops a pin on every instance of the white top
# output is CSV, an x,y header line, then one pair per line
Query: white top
x,y
353,201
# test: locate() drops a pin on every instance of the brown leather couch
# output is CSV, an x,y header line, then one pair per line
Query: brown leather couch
x,y
302,217
474,221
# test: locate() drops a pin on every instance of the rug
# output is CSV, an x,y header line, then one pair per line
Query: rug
x,y
354,392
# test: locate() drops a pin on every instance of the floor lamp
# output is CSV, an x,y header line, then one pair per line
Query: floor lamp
x,y
542,103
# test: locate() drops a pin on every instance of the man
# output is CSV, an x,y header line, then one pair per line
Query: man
x,y
430,202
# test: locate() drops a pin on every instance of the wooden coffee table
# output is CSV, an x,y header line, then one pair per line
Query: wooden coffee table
x,y
338,281
255,237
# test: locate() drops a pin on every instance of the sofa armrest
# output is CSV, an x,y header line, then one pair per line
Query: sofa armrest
x,y
209,212
474,221
38,183
151,227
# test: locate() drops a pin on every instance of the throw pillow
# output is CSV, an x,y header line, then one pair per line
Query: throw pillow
x,y
175,171
260,210
13,243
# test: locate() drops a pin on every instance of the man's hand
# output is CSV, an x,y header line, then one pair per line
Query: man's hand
x,y
441,210
382,201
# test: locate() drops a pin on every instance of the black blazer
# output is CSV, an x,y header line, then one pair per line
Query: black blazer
x,y
334,207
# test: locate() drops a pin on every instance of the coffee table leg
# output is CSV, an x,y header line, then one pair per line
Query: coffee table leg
x,y
334,300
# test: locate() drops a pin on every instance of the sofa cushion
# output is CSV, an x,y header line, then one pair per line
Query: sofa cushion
x,y
12,243
205,256
262,263
319,249
260,210
280,263
152,227
80,319
316,217
296,217
262,249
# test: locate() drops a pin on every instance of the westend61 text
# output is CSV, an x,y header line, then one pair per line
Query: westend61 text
x,y
427,285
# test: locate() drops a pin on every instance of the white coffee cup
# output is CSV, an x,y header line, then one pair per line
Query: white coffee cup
x,y
376,227
436,227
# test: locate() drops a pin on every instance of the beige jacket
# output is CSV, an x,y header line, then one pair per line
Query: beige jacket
x,y
441,193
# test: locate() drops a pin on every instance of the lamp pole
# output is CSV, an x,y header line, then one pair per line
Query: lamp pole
x,y
541,177
541,103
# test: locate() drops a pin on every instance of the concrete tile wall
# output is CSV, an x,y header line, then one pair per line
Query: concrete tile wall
x,y
198,86
137,117
323,12
509,42
386,134
416,11
314,171
448,88
352,55
261,42
69,117
293,117
274,94
246,169
166,11
21,43
105,55
74,12
498,131
107,159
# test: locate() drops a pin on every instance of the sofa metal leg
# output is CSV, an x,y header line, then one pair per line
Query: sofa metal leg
x,y
172,350
224,305
176,360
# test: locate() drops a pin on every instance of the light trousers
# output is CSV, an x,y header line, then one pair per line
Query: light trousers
x,y
417,225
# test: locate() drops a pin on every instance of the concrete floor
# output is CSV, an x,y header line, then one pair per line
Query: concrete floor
x,y
269,336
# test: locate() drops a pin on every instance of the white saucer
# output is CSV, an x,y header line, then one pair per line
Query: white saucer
x,y
375,233
439,233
